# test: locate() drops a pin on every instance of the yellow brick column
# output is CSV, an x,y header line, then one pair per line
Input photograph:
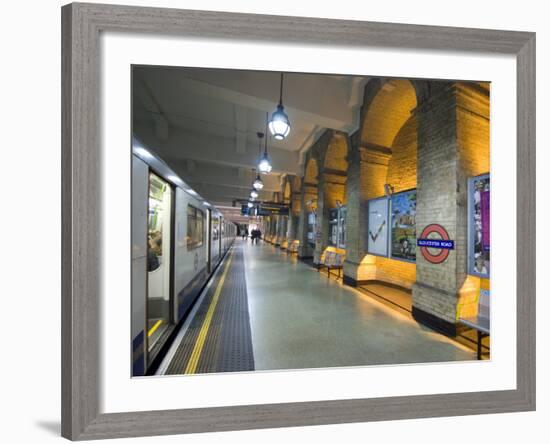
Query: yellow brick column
x,y
321,227
304,250
367,171
447,156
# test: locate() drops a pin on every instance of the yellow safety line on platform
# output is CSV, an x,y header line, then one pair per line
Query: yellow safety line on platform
x,y
201,339
154,327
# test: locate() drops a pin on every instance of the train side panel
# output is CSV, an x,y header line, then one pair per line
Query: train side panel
x,y
140,181
215,239
188,251
225,236
190,261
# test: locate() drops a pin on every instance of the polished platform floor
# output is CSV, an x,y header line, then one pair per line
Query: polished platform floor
x,y
265,310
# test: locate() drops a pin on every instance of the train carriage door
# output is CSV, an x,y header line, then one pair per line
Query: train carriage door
x,y
222,234
220,237
209,240
214,240
159,267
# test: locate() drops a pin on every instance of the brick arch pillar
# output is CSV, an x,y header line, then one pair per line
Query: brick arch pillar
x,y
284,231
453,134
276,221
322,226
282,225
308,190
304,250
301,234
292,231
367,171
293,214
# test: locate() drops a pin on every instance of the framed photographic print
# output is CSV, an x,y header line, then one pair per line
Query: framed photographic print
x,y
200,178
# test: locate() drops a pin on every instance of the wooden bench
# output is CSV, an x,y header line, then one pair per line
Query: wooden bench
x,y
332,261
482,322
292,248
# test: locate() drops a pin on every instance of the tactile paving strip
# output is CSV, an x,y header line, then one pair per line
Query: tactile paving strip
x,y
228,345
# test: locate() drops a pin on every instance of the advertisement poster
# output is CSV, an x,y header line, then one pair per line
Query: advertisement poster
x,y
378,227
403,226
333,227
485,203
311,228
480,221
342,227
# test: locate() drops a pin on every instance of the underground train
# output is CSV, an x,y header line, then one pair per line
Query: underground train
x,y
178,239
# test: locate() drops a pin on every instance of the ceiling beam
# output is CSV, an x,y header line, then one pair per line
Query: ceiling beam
x,y
146,98
242,190
203,147
215,193
221,175
328,109
241,129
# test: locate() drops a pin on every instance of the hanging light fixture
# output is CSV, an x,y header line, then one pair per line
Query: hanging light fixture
x,y
250,204
258,184
253,194
279,125
264,164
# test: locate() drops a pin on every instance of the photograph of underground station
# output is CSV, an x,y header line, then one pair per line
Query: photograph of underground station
x,y
288,221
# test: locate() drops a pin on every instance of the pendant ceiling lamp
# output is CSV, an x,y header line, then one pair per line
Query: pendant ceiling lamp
x,y
279,125
253,194
258,183
264,164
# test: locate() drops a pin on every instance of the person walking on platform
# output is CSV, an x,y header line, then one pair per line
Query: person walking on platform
x,y
256,235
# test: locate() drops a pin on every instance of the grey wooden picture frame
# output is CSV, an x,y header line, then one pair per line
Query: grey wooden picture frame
x,y
81,175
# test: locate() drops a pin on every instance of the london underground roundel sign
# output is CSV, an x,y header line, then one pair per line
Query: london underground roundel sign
x,y
442,244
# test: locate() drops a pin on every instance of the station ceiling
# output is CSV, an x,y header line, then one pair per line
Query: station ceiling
x,y
204,123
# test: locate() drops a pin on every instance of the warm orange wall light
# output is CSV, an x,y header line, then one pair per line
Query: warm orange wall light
x,y
468,296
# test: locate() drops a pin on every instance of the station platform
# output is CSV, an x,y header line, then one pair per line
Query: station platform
x,y
265,310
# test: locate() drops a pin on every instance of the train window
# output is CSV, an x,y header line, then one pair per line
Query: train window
x,y
195,227
215,228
